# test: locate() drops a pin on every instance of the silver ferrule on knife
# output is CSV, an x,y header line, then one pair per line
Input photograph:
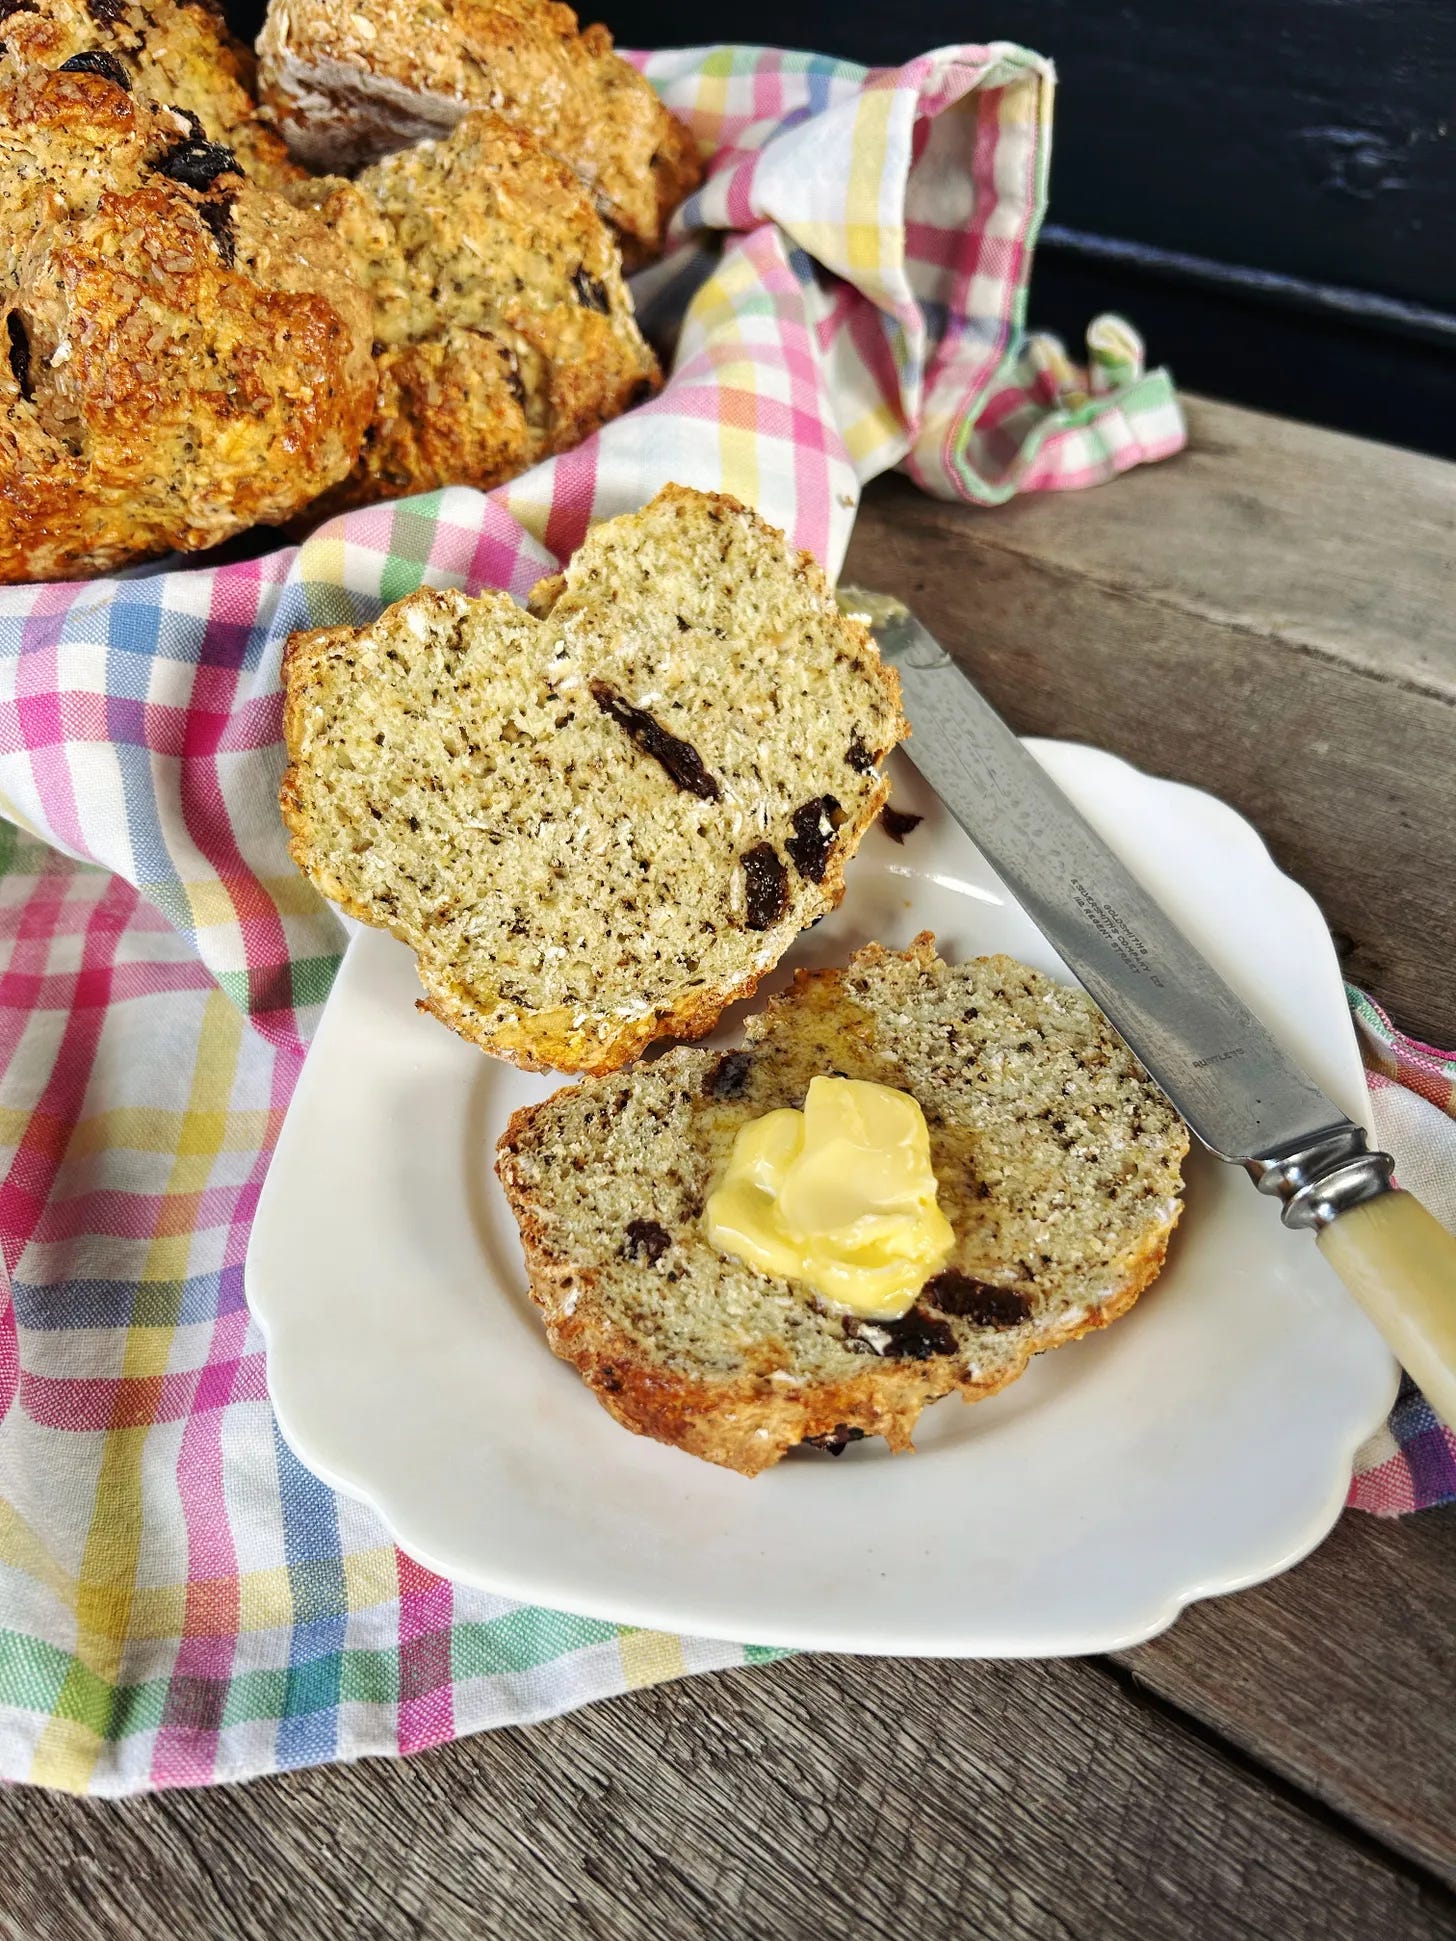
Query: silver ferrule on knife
x,y
1240,1092
1325,1177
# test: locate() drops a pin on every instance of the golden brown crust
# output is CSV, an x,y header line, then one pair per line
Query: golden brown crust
x,y
748,1416
581,1039
446,413
503,328
350,80
545,593
185,361
174,53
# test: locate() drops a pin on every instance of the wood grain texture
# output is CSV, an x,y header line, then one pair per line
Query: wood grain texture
x,y
1281,1763
801,1800
1337,1676
1268,617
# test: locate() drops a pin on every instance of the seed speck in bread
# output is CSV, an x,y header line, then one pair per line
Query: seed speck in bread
x,y
1058,1166
585,824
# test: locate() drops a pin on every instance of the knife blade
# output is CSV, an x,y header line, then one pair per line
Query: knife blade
x,y
1241,1093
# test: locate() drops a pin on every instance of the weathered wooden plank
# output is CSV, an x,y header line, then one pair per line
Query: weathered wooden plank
x,y
1301,536
1338,1677
807,1799
1266,617
1022,1800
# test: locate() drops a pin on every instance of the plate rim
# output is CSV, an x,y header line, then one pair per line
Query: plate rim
x,y
648,1612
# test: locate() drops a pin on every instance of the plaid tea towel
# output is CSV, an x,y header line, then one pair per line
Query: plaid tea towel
x,y
179,1601
1411,1463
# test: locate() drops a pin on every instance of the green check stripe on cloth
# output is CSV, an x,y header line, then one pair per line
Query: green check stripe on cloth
x,y
180,1602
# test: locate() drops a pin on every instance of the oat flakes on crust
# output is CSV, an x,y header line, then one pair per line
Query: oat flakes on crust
x,y
503,328
351,80
185,355
1058,1165
174,53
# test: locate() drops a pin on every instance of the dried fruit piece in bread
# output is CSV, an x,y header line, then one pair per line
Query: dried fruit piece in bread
x,y
598,828
1058,1166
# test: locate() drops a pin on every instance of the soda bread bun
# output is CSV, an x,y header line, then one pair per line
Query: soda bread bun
x,y
184,353
350,80
503,329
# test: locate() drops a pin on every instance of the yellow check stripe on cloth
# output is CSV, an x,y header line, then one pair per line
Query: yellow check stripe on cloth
x,y
179,1601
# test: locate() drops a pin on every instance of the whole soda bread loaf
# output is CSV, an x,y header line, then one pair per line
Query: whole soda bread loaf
x,y
351,80
184,355
1058,1166
503,329
601,827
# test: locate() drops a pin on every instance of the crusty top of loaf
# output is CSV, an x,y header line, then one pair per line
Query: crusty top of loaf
x,y
350,80
1057,1161
597,829
502,324
174,53
187,354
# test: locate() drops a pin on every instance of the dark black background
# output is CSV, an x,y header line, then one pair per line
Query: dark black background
x,y
1267,187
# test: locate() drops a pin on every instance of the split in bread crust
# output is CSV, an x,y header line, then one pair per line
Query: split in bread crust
x,y
350,80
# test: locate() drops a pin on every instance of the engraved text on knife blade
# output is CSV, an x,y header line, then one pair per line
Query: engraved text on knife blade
x,y
1238,1090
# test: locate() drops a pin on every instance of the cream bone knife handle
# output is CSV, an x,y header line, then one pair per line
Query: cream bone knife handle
x,y
1400,1264
1396,1258
1240,1092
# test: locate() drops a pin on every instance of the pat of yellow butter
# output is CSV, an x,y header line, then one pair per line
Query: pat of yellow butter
x,y
841,1196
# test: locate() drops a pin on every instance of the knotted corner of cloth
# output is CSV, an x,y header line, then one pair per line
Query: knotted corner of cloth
x,y
876,229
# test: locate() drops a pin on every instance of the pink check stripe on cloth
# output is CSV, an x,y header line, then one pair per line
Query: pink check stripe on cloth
x,y
1411,1463
180,1602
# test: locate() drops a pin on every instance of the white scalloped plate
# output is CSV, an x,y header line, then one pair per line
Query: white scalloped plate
x,y
1201,1444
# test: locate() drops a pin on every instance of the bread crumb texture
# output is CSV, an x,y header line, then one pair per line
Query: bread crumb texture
x,y
184,354
503,327
1058,1162
351,80
600,826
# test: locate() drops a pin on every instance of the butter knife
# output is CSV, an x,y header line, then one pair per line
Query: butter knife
x,y
1241,1094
